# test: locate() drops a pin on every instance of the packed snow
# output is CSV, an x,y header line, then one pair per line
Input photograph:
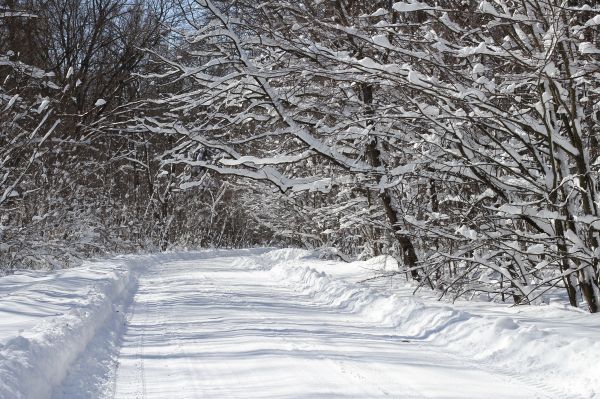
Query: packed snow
x,y
277,324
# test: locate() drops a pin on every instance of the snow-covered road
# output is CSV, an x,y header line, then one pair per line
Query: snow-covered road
x,y
276,324
214,329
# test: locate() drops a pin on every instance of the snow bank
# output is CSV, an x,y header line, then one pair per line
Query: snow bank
x,y
561,353
72,305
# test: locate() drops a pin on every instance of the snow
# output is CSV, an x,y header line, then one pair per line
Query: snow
x,y
48,319
593,21
100,102
265,161
588,48
478,69
410,6
11,102
273,324
467,232
43,105
417,78
380,12
487,8
381,40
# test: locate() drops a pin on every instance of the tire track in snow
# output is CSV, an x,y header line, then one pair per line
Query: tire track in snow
x,y
141,355
140,382
196,373
316,349
346,368
549,392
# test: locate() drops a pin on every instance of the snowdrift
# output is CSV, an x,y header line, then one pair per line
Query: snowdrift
x,y
82,300
553,346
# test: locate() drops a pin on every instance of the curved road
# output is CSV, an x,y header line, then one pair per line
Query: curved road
x,y
215,328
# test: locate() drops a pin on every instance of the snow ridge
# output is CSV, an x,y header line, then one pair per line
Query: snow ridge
x,y
30,367
564,365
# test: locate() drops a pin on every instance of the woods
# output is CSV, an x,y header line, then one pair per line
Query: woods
x,y
460,137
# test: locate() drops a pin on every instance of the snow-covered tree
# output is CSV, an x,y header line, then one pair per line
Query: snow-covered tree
x,y
467,130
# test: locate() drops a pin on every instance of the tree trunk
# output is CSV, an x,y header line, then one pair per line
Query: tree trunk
x,y
409,255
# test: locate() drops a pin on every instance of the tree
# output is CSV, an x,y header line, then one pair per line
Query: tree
x,y
466,125
68,69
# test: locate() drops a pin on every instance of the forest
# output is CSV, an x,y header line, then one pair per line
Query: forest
x,y
460,137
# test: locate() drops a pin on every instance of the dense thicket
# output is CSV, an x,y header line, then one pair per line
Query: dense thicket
x,y
73,181
459,136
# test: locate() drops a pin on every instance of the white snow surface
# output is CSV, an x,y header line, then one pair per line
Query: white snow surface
x,y
266,323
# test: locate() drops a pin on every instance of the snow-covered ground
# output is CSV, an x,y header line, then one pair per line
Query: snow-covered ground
x,y
276,324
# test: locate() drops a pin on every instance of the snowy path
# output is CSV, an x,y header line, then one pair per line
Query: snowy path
x,y
216,328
